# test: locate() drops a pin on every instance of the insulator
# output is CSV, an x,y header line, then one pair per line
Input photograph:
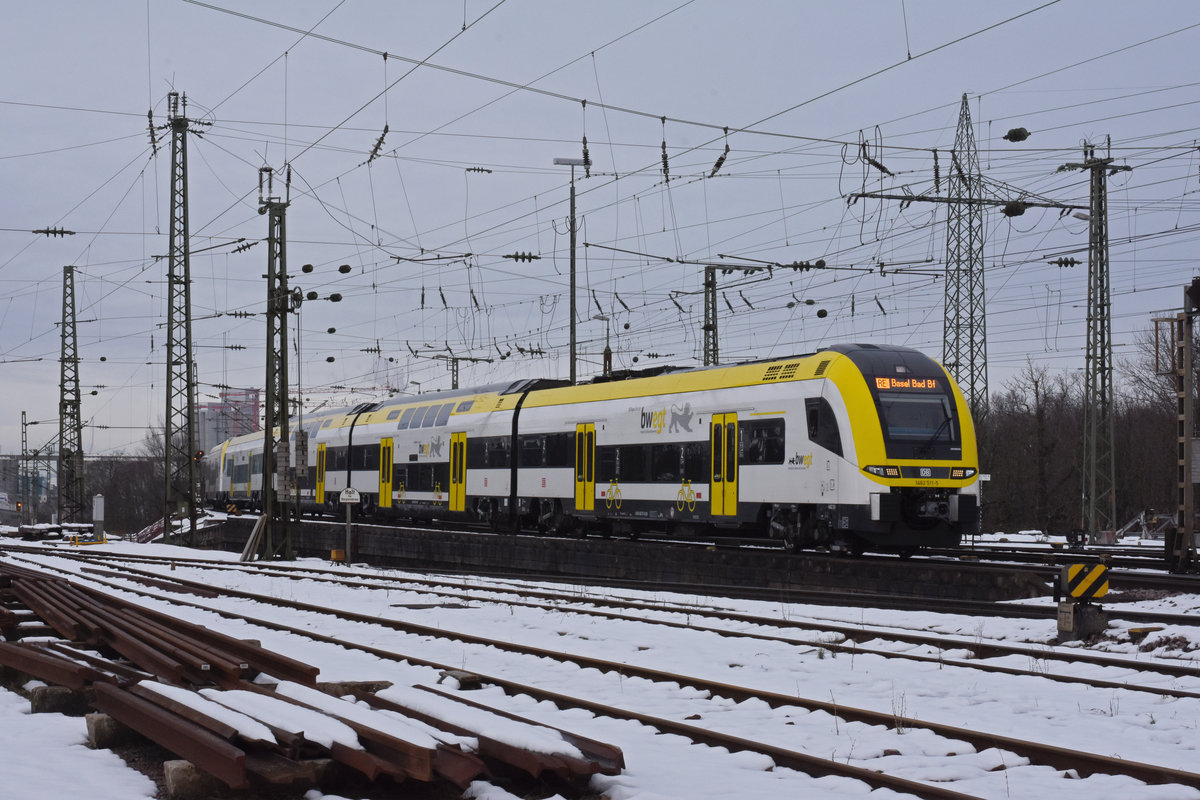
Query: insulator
x,y
587,160
937,173
720,162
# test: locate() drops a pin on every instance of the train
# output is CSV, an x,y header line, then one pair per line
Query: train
x,y
852,448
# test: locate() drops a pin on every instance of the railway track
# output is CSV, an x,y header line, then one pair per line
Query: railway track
x,y
856,599
638,613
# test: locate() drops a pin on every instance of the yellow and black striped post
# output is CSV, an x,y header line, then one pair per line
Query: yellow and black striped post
x,y
1083,582
1078,617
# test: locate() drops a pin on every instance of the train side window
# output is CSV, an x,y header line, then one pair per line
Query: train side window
x,y
695,461
406,419
443,414
761,441
631,463
476,453
497,452
606,464
366,457
256,460
558,450
665,462
822,425
532,451
430,417
393,414
464,406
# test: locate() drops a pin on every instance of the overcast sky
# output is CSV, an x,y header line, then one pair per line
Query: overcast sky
x,y
465,176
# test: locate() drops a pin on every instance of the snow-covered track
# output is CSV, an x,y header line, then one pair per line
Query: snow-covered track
x,y
1060,758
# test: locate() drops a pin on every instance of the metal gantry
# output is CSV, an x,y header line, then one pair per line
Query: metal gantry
x,y
275,540
1099,463
964,335
179,433
72,506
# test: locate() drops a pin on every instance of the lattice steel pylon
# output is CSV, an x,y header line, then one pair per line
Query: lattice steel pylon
x,y
72,506
275,540
179,433
1099,462
964,332
712,343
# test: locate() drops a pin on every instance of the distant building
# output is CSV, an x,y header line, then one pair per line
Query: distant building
x,y
234,414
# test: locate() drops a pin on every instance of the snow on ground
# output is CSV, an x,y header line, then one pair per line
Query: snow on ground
x,y
46,757
1119,722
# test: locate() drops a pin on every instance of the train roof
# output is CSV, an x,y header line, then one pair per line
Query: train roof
x,y
660,379
867,358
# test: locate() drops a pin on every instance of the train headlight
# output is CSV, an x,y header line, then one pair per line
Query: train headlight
x,y
884,472
961,472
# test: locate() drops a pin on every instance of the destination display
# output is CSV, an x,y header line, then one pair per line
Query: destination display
x,y
905,383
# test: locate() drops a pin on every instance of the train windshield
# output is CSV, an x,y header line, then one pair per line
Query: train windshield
x,y
922,421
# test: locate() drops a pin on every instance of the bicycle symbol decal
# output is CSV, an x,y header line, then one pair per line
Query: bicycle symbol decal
x,y
612,497
686,497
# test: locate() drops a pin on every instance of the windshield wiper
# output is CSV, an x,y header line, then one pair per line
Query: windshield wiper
x,y
928,445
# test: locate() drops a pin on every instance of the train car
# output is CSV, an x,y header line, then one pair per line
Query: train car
x,y
855,447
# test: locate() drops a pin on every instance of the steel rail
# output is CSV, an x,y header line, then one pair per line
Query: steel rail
x,y
857,634
1061,758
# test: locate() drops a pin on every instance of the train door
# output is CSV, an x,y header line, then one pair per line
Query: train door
x,y
385,473
319,490
458,471
585,467
724,490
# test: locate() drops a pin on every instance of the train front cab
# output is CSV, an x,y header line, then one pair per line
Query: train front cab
x,y
917,461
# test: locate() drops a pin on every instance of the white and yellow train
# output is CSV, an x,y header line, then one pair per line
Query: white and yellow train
x,y
855,447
